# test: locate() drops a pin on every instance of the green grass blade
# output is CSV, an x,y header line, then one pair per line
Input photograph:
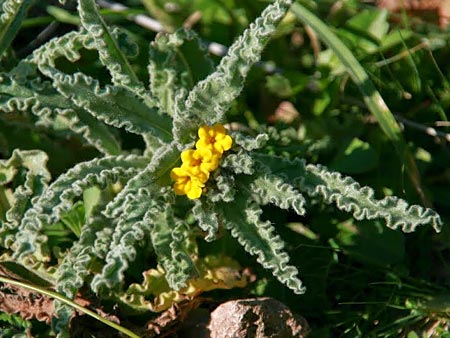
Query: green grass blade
x,y
12,14
69,302
371,96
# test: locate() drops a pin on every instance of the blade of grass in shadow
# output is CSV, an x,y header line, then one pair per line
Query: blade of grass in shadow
x,y
371,96
69,302
12,14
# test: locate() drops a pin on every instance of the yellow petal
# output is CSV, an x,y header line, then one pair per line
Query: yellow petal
x,y
194,191
209,166
178,173
203,132
203,144
226,142
203,153
179,188
187,156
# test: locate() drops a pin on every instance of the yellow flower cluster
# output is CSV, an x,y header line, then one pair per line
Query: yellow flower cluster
x,y
198,163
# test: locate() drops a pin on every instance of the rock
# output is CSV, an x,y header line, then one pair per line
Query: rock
x,y
256,318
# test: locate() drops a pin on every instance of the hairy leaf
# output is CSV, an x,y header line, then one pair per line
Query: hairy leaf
x,y
333,188
156,173
129,232
177,62
36,178
109,52
206,218
210,98
167,237
54,111
349,196
73,271
59,196
113,105
224,189
240,162
250,143
66,46
269,188
242,218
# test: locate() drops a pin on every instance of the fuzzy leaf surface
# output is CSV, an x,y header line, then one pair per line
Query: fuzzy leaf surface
x,y
347,194
128,235
60,195
272,189
167,238
74,269
177,62
33,164
109,52
206,218
242,218
208,101
113,105
155,173
53,110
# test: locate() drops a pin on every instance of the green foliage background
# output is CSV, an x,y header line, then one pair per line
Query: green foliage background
x,y
362,278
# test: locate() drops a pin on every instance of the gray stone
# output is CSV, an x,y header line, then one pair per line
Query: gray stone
x,y
256,318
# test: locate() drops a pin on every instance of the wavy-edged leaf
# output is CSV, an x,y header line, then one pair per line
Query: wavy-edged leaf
x,y
113,105
167,236
182,248
250,143
240,162
12,12
142,216
343,191
268,188
32,164
66,46
349,196
109,52
206,218
156,172
36,180
242,218
53,110
132,227
60,195
213,273
177,62
208,101
74,269
224,188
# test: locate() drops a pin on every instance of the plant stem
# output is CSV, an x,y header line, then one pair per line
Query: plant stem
x,y
69,302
